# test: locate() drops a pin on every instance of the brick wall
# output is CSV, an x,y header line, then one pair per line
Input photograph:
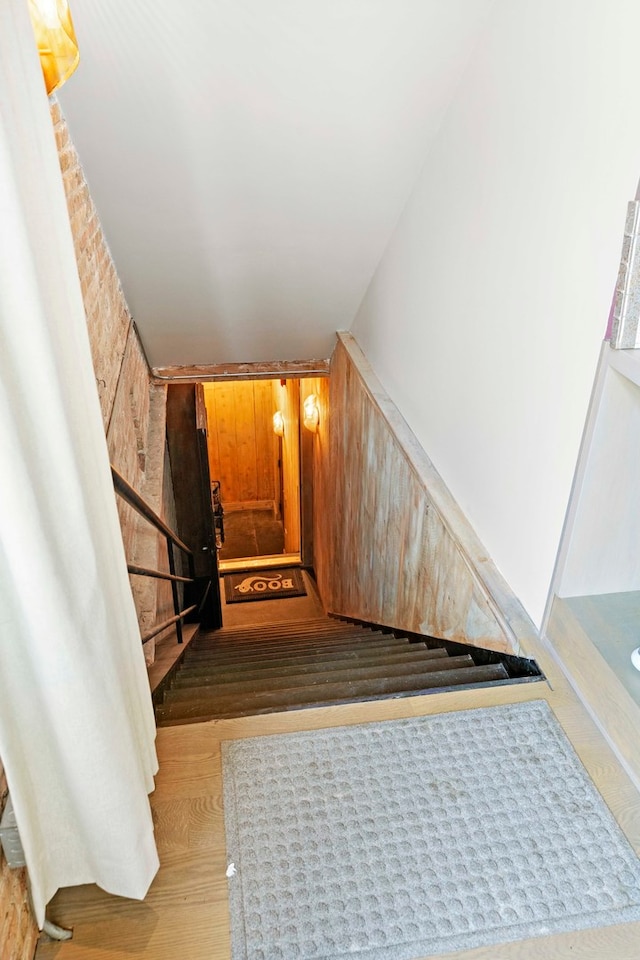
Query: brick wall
x,y
18,930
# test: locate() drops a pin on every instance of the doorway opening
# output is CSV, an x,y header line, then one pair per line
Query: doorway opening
x,y
253,446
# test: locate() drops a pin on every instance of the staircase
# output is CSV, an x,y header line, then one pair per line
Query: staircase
x,y
285,666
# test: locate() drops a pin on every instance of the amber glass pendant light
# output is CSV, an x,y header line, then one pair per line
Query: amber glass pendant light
x,y
56,39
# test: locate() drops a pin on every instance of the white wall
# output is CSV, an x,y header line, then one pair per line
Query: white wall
x,y
484,318
250,159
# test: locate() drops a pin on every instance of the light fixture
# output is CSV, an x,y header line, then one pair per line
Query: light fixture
x,y
278,423
311,413
56,40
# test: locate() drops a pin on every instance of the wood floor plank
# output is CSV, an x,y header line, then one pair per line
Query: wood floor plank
x,y
196,932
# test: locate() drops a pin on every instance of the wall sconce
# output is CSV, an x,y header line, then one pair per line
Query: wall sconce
x,y
278,424
311,413
56,41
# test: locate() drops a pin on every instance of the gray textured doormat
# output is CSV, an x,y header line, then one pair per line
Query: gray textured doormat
x,y
264,585
407,838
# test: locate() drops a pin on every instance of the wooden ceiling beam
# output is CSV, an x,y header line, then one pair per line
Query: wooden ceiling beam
x,y
258,370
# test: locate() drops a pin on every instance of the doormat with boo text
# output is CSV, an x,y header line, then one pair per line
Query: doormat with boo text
x,y
264,585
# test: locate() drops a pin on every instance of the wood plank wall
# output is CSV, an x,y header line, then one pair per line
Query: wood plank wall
x,y
391,545
242,444
314,453
286,398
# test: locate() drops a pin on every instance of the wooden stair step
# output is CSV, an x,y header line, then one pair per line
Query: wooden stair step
x,y
213,705
310,655
333,673
200,648
290,650
283,629
213,672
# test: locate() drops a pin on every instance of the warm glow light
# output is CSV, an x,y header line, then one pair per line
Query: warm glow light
x,y
311,413
56,40
278,424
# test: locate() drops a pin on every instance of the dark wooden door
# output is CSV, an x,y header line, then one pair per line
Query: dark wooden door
x,y
187,440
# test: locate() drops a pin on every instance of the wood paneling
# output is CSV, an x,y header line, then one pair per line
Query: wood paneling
x,y
242,445
246,449
266,442
313,451
391,544
286,398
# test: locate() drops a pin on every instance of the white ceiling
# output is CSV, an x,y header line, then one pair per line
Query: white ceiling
x,y
249,159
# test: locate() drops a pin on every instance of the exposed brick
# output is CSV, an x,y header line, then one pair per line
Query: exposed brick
x,y
18,930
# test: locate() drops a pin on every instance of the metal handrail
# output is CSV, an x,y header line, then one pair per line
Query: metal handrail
x,y
217,511
159,627
133,498
158,574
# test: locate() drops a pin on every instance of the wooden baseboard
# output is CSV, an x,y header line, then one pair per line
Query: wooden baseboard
x,y
259,563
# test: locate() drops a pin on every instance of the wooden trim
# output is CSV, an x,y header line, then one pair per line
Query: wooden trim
x,y
258,370
260,563
509,613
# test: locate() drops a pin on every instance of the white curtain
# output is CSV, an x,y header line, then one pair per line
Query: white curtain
x,y
76,721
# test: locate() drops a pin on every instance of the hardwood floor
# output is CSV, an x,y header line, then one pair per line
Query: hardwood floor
x,y
185,913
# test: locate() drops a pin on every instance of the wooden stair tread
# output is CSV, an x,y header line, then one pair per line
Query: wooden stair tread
x,y
215,673
258,682
199,649
284,629
238,671
309,655
214,704
285,653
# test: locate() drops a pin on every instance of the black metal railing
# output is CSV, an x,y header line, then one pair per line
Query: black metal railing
x,y
218,513
133,498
